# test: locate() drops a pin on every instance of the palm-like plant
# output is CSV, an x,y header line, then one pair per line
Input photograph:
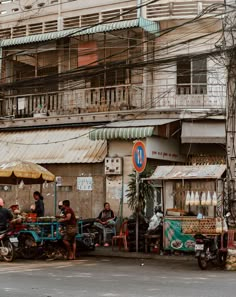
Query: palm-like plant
x,y
146,190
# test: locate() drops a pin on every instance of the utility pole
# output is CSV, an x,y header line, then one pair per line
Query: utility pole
x,y
230,59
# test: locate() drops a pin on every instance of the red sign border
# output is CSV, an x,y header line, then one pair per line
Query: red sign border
x,y
141,169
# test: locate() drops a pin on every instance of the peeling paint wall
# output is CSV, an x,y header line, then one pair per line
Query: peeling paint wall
x,y
119,148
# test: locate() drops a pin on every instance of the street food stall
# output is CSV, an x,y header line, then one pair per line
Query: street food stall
x,y
192,201
20,173
43,234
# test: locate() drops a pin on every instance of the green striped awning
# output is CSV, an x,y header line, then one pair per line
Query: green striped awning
x,y
147,25
121,133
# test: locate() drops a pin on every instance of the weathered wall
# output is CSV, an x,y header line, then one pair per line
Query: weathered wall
x,y
114,188
86,204
119,148
178,42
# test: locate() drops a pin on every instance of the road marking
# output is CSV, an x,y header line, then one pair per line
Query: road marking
x,y
83,275
63,266
19,271
14,267
109,294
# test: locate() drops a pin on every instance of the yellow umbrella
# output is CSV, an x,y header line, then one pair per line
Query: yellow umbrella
x,y
31,173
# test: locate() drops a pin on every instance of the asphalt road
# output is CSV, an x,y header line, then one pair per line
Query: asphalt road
x,y
103,277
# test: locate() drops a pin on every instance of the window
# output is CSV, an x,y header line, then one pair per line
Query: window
x,y
110,77
192,77
64,188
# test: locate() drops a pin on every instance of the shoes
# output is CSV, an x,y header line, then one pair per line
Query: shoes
x,y
97,244
106,244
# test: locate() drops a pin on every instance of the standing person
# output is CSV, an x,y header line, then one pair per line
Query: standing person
x,y
5,216
61,209
71,229
39,205
105,219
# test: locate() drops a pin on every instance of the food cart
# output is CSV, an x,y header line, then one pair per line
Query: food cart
x,y
192,201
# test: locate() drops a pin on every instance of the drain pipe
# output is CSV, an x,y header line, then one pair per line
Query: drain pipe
x,y
1,55
139,9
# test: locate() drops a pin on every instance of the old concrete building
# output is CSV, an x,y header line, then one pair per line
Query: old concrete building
x,y
123,70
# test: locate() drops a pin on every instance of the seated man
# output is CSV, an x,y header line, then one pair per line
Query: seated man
x,y
105,220
17,217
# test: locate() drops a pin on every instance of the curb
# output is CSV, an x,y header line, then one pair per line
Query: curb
x,y
134,255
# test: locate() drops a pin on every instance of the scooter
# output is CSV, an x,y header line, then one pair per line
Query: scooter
x,y
8,245
209,248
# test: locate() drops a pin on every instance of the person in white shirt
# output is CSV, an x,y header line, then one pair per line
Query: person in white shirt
x,y
156,219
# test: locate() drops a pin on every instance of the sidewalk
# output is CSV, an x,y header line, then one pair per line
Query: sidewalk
x,y
107,252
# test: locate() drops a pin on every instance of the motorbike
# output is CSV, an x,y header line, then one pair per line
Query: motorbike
x,y
8,245
210,248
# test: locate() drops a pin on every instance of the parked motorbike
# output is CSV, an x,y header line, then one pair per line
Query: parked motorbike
x,y
209,248
88,235
8,245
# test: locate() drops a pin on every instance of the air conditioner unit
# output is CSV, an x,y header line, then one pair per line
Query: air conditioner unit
x,y
113,166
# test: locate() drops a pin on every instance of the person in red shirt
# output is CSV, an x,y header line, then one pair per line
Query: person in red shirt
x,y
70,222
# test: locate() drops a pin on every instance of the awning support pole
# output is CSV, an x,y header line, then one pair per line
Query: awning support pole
x,y
122,196
55,198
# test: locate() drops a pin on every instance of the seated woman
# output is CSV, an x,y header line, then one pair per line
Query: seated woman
x,y
105,220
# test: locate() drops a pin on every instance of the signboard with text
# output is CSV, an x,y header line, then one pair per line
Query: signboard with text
x,y
85,183
164,149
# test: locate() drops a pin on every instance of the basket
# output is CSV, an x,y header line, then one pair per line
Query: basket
x,y
204,226
32,217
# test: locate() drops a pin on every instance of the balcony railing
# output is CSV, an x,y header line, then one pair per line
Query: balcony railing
x,y
113,98
194,89
122,97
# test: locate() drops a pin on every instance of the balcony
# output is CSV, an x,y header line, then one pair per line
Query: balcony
x,y
111,98
198,96
122,97
194,89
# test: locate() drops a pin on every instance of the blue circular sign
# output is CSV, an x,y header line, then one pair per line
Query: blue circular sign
x,y
139,156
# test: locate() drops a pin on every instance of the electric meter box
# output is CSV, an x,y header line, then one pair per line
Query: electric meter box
x,y
113,166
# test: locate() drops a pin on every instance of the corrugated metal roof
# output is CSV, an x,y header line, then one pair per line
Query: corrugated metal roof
x,y
140,123
64,145
188,172
203,132
147,25
121,133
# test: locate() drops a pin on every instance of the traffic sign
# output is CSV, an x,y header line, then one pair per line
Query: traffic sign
x,y
139,156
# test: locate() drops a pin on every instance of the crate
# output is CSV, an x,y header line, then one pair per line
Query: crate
x,y
203,226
